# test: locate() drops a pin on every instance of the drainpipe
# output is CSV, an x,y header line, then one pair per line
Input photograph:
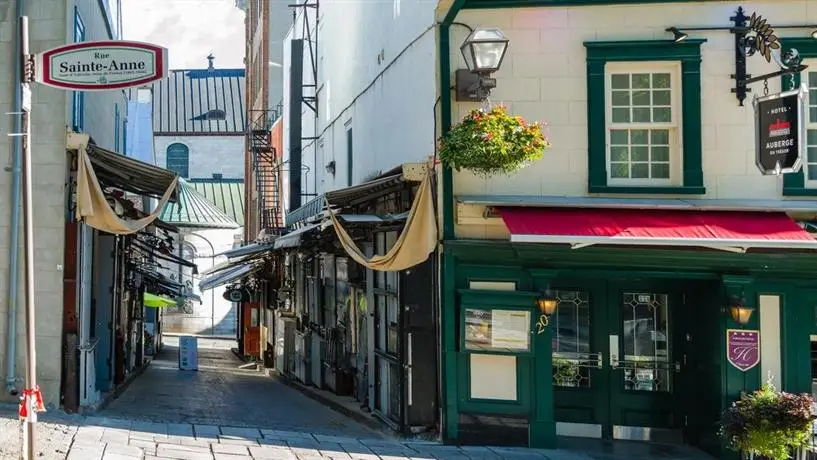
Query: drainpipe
x,y
14,234
447,346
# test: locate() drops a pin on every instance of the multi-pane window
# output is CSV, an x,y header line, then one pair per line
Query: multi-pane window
x,y
811,131
643,123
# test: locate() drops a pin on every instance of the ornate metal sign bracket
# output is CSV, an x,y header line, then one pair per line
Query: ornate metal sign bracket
x,y
758,37
753,35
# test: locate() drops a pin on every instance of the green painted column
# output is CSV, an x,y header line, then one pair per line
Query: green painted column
x,y
542,423
735,380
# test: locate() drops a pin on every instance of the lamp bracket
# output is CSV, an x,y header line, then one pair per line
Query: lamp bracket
x,y
473,86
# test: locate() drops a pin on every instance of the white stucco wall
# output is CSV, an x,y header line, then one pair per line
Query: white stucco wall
x,y
379,79
50,24
544,77
208,154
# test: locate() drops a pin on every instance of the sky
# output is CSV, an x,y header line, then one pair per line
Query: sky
x,y
189,29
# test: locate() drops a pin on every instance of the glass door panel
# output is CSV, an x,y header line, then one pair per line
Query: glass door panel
x,y
642,366
579,382
645,342
572,355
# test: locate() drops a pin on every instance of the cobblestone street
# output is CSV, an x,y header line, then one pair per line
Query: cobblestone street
x,y
224,413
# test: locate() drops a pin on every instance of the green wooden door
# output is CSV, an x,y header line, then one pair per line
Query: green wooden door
x,y
617,348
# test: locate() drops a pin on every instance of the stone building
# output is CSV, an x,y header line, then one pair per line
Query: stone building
x,y
54,112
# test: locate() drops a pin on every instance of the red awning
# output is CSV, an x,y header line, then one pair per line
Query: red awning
x,y
579,227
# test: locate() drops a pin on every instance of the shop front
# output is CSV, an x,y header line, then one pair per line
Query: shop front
x,y
638,337
361,305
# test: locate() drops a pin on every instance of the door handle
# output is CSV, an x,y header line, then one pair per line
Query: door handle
x,y
614,356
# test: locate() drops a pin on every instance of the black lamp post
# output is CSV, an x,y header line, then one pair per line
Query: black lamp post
x,y
483,51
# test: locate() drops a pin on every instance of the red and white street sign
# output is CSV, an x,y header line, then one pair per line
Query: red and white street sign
x,y
101,65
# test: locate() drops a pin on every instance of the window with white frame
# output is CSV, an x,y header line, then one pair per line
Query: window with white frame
x,y
643,123
810,161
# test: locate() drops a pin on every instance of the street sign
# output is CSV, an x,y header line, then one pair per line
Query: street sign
x,y
780,131
101,65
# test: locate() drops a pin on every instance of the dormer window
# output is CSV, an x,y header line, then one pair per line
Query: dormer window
x,y
211,115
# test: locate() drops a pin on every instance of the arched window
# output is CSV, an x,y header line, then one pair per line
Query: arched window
x,y
188,251
178,159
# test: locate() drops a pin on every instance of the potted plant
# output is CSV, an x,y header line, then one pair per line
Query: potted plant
x,y
769,424
492,141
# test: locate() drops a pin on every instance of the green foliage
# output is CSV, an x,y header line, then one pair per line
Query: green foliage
x,y
491,142
768,423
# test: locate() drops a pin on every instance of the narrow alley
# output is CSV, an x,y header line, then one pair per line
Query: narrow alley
x,y
222,393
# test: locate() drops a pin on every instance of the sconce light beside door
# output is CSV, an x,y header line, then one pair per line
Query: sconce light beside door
x,y
547,304
483,51
739,312
330,167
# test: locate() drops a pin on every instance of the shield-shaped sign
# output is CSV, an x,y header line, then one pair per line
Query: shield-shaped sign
x,y
743,348
780,131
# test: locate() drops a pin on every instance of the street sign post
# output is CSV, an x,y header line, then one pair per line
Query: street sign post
x,y
87,66
780,131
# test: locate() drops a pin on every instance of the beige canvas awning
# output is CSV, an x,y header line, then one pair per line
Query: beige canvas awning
x,y
96,166
417,240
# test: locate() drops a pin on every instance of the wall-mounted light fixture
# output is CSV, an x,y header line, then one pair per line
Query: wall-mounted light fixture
x,y
330,167
483,51
739,311
753,35
546,303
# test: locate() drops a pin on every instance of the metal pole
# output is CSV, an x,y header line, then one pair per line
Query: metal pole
x,y
28,237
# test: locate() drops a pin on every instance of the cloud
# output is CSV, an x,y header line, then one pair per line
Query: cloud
x,y
189,29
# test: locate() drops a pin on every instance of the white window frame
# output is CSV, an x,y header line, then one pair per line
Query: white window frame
x,y
675,127
809,182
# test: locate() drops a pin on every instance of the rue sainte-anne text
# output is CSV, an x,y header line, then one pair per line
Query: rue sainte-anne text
x,y
99,66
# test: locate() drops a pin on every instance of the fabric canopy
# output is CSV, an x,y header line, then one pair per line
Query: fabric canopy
x,y
155,301
716,229
92,205
234,272
417,240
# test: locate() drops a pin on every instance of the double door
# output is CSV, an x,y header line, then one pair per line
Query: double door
x,y
619,352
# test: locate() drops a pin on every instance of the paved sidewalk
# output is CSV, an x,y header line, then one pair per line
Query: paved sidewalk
x,y
70,437
109,439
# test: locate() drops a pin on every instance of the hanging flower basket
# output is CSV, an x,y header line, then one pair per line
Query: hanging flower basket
x,y
492,142
769,424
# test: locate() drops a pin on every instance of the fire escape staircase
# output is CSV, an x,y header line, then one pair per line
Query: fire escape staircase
x,y
266,168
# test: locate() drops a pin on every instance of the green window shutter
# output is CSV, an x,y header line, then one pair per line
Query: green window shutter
x,y
794,184
688,53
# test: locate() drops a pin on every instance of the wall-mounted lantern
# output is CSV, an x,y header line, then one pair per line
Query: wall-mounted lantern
x,y
483,51
330,167
739,311
546,303
753,35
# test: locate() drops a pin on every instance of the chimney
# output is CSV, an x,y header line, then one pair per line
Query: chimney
x,y
210,59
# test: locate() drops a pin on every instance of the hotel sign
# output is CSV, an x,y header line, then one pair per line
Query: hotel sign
x,y
101,65
743,348
780,131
